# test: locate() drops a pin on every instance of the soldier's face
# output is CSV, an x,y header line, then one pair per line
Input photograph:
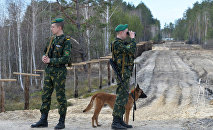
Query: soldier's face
x,y
124,33
55,29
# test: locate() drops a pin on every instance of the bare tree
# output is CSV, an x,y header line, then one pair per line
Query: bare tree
x,y
107,17
15,9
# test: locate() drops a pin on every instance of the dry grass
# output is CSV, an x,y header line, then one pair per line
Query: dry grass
x,y
17,103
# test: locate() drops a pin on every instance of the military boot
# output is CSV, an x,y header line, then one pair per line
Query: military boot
x,y
42,122
61,123
116,124
124,124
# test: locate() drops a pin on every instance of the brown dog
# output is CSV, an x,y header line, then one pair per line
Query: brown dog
x,y
105,98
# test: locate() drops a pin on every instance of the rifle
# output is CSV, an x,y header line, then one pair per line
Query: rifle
x,y
114,67
48,48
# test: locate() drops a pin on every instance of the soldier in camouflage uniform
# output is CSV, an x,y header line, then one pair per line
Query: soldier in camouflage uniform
x,y
55,74
123,56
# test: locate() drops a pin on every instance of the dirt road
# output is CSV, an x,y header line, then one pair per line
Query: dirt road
x,y
169,75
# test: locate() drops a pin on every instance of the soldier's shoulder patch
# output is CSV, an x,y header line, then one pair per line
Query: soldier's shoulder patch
x,y
67,53
128,46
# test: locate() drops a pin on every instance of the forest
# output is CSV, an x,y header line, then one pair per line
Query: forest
x,y
196,25
25,29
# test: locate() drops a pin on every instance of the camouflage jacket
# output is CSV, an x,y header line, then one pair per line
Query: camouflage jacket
x,y
60,51
123,54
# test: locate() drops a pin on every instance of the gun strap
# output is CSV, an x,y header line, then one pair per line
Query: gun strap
x,y
112,45
48,48
123,63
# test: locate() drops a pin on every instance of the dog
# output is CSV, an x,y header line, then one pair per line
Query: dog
x,y
104,98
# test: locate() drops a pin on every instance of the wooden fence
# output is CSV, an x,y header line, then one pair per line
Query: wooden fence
x,y
141,47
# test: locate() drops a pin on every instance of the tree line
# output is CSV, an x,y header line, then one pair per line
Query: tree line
x,y
25,28
196,25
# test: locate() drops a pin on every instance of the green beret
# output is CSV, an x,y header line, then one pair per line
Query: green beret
x,y
58,20
121,27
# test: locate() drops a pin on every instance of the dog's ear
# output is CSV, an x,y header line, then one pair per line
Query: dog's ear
x,y
137,88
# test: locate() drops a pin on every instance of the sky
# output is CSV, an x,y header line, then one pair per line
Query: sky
x,y
166,10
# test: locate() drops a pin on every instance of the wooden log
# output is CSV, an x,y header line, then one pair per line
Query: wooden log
x,y
75,83
97,60
93,61
109,74
26,93
2,97
104,60
89,74
39,70
25,74
77,64
106,57
100,75
8,80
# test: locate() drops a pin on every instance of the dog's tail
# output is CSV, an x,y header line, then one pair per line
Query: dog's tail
x,y
90,105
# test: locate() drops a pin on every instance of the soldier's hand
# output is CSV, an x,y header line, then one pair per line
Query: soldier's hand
x,y
43,58
46,59
131,34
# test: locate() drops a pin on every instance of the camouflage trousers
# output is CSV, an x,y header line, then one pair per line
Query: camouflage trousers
x,y
121,95
54,78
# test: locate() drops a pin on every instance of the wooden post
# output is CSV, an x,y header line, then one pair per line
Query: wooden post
x,y
106,58
89,74
2,101
100,74
76,77
2,97
109,74
26,87
75,83
26,93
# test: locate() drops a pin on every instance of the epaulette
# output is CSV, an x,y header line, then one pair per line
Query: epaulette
x,y
67,37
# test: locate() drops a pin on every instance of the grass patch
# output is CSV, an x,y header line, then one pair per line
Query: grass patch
x,y
35,97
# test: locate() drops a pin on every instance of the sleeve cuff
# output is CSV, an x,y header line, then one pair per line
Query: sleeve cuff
x,y
132,39
51,60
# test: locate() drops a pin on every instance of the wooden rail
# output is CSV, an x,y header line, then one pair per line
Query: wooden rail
x,y
88,63
143,46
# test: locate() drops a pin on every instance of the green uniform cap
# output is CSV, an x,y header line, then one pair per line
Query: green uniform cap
x,y
121,27
58,20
